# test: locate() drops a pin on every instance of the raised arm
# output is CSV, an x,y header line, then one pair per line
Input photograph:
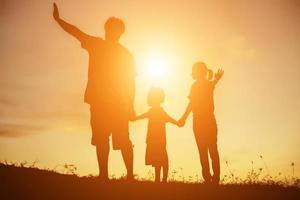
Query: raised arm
x,y
71,29
218,76
188,110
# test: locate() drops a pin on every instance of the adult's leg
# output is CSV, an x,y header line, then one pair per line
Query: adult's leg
x,y
127,154
102,156
100,138
121,140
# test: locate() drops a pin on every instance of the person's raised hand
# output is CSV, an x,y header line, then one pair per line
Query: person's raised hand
x,y
219,74
55,11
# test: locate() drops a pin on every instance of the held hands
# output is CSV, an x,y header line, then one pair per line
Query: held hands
x,y
55,11
132,115
219,74
181,122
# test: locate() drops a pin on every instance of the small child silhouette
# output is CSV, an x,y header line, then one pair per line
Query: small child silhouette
x,y
156,152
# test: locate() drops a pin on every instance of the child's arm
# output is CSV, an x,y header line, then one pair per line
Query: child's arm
x,y
218,76
188,110
142,116
173,121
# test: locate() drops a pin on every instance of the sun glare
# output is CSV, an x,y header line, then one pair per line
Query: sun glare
x,y
157,67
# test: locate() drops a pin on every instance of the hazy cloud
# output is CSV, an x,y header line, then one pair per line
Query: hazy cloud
x,y
18,130
6,102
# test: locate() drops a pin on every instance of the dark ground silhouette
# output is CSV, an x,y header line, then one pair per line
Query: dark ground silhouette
x,y
32,183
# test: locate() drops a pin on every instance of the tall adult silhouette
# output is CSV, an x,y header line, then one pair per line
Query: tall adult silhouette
x,y
110,90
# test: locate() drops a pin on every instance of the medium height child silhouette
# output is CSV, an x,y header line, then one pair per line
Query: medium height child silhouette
x,y
204,122
156,152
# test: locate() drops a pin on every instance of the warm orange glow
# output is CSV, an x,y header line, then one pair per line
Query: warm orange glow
x,y
44,73
157,67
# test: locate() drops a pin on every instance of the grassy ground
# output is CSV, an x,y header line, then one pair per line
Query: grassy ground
x,y
17,182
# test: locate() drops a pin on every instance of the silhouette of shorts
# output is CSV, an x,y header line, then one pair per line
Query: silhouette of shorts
x,y
106,122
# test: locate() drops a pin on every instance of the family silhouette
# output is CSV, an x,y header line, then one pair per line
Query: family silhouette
x,y
110,92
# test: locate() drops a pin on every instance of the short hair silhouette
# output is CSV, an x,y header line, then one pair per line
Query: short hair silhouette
x,y
156,96
114,27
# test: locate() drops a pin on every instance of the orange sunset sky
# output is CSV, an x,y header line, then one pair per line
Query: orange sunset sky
x,y
44,72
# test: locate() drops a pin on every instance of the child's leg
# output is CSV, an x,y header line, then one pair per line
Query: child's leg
x,y
202,148
203,153
214,155
213,151
165,169
157,173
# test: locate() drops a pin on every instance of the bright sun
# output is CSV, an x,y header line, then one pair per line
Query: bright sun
x,y
157,67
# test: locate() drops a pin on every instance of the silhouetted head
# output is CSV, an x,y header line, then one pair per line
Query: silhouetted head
x,y
199,71
156,96
114,28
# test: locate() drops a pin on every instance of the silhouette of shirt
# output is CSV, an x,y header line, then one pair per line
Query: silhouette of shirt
x,y
201,98
111,73
157,126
